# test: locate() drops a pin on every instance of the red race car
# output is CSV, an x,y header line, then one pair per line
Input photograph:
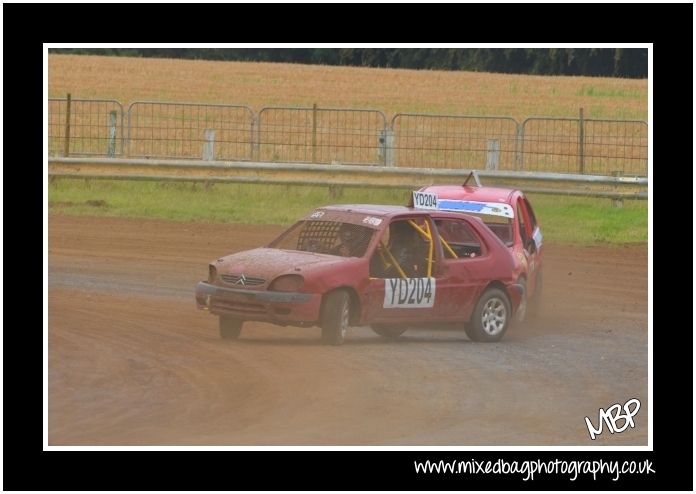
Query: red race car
x,y
508,213
390,267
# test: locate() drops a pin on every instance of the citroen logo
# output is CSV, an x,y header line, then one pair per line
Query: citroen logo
x,y
241,280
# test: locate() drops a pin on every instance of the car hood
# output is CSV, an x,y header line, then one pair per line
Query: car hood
x,y
268,263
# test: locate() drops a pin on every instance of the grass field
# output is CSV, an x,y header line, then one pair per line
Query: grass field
x,y
390,90
563,219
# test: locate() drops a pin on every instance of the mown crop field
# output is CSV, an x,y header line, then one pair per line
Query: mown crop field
x,y
390,90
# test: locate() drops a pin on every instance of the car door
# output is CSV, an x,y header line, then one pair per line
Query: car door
x,y
531,239
463,269
403,285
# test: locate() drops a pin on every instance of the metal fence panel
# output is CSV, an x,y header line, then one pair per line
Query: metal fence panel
x,y
95,127
452,141
190,130
616,146
572,145
321,135
352,136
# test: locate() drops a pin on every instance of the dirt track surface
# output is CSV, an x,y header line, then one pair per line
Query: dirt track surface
x,y
132,362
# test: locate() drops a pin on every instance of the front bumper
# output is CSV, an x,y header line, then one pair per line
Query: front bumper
x,y
253,305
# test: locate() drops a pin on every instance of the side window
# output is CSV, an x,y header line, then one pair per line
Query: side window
x,y
527,225
402,251
521,219
532,217
458,239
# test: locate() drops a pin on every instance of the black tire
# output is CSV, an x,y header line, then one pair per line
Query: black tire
x,y
230,327
335,317
388,330
534,308
491,317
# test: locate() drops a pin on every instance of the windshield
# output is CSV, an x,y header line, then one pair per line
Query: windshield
x,y
326,237
499,225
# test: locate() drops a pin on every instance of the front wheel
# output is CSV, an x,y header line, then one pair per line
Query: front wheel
x,y
387,330
230,327
335,318
490,318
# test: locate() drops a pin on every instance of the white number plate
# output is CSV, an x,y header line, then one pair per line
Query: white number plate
x,y
409,293
424,200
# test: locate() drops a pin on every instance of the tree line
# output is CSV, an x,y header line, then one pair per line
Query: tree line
x,y
607,62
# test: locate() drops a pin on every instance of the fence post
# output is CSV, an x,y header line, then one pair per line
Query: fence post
x,y
111,151
209,145
257,140
386,147
492,154
314,133
581,141
252,144
127,146
67,129
122,137
519,147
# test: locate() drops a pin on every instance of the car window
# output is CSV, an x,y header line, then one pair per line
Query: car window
x,y
501,226
403,251
532,217
522,222
326,237
527,225
458,239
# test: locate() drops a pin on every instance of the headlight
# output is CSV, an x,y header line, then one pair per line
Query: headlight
x,y
287,283
212,273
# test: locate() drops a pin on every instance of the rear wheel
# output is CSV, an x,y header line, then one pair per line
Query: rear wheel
x,y
490,318
335,317
388,330
230,327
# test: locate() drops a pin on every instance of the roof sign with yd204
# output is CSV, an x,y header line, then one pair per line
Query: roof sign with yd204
x,y
424,200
